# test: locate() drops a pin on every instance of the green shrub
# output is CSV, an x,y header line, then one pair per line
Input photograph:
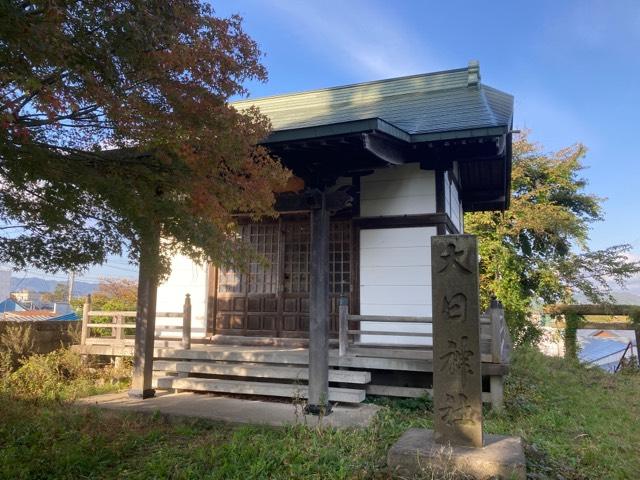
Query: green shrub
x,y
16,343
46,376
61,375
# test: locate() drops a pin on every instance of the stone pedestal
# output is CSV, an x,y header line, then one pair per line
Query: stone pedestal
x,y
417,453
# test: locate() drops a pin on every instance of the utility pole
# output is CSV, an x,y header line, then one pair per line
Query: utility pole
x,y
72,276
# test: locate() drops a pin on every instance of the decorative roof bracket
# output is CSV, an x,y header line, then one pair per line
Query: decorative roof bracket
x,y
473,70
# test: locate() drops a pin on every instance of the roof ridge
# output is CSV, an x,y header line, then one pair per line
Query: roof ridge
x,y
351,85
486,102
388,96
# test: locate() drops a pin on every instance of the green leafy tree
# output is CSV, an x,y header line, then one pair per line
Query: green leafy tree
x,y
537,251
60,293
115,129
119,294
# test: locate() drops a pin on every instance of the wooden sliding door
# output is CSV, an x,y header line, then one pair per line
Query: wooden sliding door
x,y
272,298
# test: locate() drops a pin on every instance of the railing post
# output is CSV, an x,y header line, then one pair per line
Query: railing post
x,y
496,386
186,323
84,332
498,329
119,321
495,314
343,317
120,328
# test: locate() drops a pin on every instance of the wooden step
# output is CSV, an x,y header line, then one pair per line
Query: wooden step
x,y
299,358
392,351
259,371
218,352
346,395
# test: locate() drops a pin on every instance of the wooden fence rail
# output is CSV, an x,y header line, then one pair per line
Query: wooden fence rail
x,y
494,334
119,325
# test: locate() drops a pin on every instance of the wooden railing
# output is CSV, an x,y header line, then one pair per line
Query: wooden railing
x,y
495,338
120,326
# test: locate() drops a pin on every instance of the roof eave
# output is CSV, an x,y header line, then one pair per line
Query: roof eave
x,y
335,129
371,124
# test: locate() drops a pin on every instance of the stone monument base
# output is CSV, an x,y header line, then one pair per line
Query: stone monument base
x,y
416,452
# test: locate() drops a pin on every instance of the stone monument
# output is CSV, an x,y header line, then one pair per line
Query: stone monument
x,y
457,443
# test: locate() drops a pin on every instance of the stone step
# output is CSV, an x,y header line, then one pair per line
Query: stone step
x,y
346,395
258,371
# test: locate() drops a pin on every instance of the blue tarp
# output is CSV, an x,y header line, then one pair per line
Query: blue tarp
x,y
66,317
604,352
10,305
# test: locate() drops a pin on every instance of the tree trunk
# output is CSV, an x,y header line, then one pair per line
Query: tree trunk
x,y
148,275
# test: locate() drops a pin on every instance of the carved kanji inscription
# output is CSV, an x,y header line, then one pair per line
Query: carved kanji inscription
x,y
453,258
457,360
458,411
455,307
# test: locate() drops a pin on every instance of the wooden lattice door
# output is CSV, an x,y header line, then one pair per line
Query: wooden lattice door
x,y
273,299
247,303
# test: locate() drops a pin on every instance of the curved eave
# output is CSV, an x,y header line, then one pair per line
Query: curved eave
x,y
378,124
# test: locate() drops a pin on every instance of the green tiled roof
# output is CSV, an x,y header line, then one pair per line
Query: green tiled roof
x,y
439,105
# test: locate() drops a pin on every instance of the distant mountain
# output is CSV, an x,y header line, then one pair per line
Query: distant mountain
x,y
622,297
36,284
627,298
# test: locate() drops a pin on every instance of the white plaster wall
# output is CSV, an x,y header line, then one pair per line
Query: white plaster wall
x,y
186,277
395,280
399,190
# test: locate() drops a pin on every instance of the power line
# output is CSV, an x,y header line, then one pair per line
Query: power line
x,y
125,263
22,280
132,270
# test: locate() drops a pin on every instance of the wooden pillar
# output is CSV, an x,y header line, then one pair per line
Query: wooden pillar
x,y
186,323
141,386
319,312
457,378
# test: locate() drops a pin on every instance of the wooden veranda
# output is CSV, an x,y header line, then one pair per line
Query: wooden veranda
x,y
280,367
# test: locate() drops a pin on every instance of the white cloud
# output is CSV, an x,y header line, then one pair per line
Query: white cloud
x,y
360,36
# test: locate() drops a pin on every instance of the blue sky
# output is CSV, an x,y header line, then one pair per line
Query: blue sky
x,y
573,67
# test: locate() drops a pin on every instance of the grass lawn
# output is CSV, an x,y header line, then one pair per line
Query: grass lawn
x,y
577,424
607,318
